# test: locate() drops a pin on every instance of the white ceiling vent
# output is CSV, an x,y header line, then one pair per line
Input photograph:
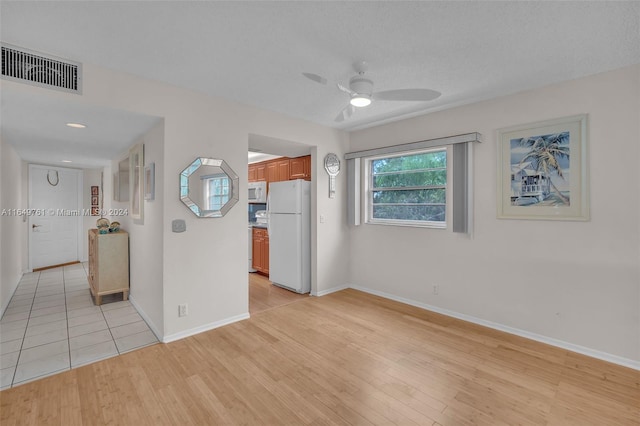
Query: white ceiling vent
x,y
37,69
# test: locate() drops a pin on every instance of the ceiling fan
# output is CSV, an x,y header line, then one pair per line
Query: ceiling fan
x,y
361,91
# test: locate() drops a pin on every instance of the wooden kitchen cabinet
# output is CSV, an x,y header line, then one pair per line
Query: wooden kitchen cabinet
x,y
278,170
257,172
108,264
272,172
281,169
300,168
260,253
261,172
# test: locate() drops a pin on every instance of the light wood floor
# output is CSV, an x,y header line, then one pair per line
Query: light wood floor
x,y
345,358
263,295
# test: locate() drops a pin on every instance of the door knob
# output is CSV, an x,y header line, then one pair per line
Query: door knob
x,y
34,226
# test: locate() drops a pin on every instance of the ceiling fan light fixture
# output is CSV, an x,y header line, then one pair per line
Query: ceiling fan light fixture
x,y
361,89
360,100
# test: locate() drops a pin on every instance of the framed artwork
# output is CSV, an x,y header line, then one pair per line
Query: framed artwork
x,y
150,181
94,200
543,170
94,190
136,181
95,211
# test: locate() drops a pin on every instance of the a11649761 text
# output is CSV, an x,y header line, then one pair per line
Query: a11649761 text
x,y
63,212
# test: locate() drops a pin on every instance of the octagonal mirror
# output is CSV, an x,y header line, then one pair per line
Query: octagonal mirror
x,y
208,187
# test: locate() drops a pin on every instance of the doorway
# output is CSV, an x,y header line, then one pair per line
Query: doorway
x,y
270,160
54,215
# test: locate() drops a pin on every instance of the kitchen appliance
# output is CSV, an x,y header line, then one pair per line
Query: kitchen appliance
x,y
289,225
262,217
257,192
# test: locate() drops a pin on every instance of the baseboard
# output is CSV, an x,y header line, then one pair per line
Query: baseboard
x,y
154,328
330,290
615,359
181,335
60,265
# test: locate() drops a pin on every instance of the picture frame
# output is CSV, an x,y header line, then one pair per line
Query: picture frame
x,y
122,185
116,187
150,181
542,170
94,200
94,190
136,182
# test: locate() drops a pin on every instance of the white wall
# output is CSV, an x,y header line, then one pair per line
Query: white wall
x,y
146,236
576,282
12,228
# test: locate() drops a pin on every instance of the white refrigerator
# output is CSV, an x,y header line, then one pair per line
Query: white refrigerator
x,y
289,205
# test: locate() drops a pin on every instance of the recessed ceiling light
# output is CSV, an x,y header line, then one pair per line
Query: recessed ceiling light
x,y
67,161
76,125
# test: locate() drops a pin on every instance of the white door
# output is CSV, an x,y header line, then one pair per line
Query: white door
x,y
55,205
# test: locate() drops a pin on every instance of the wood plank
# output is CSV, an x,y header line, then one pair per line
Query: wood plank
x,y
263,295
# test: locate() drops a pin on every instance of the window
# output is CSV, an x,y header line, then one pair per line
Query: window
x,y
216,192
426,183
408,188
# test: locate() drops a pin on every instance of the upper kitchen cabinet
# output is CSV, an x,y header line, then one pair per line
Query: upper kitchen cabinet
x,y
300,168
257,172
272,172
281,169
278,170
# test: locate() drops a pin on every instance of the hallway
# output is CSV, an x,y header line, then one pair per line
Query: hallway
x,y
52,325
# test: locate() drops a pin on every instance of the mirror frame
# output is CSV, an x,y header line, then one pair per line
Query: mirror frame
x,y
184,187
121,181
136,182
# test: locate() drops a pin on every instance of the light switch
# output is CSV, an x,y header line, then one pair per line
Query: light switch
x,y
178,225
321,218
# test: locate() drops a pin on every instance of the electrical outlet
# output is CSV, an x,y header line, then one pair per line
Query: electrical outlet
x,y
182,310
436,289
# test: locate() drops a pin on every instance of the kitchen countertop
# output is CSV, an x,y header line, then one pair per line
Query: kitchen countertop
x,y
258,225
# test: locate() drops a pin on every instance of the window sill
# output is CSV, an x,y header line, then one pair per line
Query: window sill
x,y
432,225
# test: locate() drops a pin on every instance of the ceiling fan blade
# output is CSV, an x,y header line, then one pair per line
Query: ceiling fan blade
x,y
315,77
407,95
345,113
345,89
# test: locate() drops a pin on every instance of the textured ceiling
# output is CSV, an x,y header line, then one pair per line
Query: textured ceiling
x,y
255,52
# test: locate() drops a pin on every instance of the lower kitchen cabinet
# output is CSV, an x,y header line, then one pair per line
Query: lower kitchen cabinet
x,y
108,264
260,253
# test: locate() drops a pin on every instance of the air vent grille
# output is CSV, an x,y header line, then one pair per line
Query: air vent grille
x,y
34,68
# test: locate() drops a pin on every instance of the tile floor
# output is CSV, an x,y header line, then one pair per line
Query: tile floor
x,y
51,325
